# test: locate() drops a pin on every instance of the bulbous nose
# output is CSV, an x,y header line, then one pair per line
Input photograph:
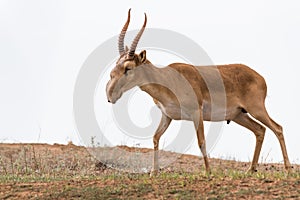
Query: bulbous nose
x,y
108,100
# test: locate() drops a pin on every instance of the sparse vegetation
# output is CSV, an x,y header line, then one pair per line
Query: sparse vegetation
x,y
40,171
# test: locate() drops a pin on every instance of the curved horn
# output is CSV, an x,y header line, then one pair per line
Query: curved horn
x,y
137,38
122,34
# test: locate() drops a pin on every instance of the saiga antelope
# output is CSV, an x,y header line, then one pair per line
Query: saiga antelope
x,y
181,93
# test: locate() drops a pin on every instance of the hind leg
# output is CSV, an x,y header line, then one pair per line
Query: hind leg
x,y
243,119
260,113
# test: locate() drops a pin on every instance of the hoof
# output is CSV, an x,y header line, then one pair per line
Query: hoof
x,y
251,170
289,168
208,172
153,173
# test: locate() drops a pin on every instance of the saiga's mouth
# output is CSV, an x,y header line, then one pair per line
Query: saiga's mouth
x,y
113,100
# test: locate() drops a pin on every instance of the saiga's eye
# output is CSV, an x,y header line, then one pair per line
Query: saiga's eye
x,y
126,70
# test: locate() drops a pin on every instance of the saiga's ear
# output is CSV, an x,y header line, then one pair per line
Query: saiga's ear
x,y
142,56
126,48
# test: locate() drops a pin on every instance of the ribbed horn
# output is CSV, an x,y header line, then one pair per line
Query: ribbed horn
x,y
137,38
122,34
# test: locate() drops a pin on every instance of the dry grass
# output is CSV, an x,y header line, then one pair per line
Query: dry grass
x,y
41,171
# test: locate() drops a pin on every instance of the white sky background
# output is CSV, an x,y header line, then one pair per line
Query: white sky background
x,y
44,43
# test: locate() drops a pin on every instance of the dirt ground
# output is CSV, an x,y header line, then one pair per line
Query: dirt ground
x,y
42,171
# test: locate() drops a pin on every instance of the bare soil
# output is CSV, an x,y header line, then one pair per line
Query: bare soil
x,y
42,171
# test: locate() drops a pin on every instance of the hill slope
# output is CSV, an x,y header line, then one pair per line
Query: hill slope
x,y
67,171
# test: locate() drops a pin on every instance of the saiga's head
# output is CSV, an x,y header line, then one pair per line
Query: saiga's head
x,y
124,75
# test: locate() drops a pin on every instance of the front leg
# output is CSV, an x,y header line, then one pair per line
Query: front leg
x,y
163,125
198,123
